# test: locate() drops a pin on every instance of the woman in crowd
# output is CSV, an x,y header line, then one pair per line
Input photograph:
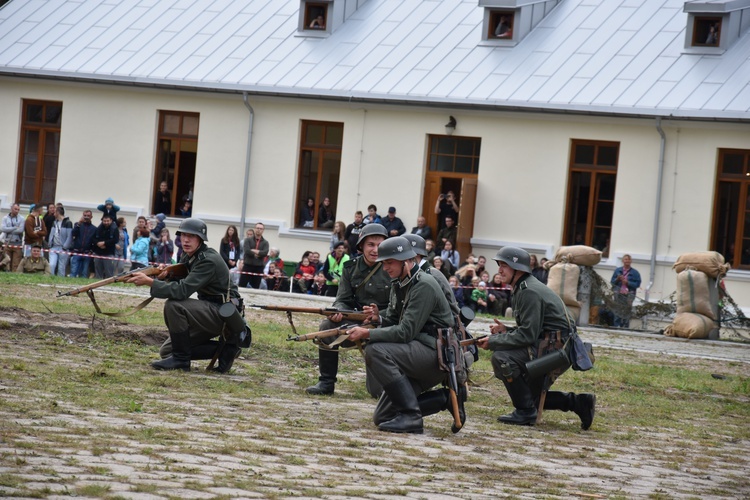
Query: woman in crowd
x,y
538,271
326,217
458,292
273,258
339,234
229,248
443,266
450,255
307,214
165,248
121,247
139,248
498,297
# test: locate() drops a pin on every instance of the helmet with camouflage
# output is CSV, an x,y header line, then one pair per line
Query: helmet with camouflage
x,y
371,229
418,243
517,259
193,226
398,248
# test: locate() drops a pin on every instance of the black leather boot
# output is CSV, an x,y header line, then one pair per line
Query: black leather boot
x,y
229,353
584,407
329,367
408,419
581,404
520,395
432,402
180,358
204,351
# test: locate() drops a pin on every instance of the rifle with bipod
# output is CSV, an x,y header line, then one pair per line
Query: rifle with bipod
x,y
324,311
169,273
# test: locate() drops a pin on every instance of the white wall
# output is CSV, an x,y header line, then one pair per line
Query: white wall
x,y
109,142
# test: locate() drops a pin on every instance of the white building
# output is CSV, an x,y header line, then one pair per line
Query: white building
x,y
622,124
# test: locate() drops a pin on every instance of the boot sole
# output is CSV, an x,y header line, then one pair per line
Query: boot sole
x,y
402,431
529,423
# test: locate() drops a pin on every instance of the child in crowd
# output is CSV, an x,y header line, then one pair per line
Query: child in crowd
x,y
319,286
304,276
458,292
479,297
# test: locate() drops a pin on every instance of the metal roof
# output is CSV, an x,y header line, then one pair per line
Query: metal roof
x,y
596,56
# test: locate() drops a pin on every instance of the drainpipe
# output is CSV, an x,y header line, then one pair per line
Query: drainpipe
x,y
247,163
658,207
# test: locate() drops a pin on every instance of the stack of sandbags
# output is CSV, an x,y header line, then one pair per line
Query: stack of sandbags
x,y
696,295
580,255
563,280
564,273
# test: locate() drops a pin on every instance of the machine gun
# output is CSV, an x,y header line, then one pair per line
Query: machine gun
x,y
325,311
171,273
316,337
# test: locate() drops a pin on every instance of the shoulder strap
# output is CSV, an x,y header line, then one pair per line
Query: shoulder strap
x,y
369,275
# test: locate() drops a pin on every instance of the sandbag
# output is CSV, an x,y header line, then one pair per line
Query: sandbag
x,y
575,313
579,254
711,263
690,326
563,280
693,293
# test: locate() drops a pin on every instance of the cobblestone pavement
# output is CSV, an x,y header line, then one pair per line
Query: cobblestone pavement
x,y
260,437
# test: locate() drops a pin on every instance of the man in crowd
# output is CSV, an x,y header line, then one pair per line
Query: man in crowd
x,y
352,232
163,203
34,229
539,313
255,249
393,224
446,207
103,246
625,282
363,282
372,215
35,263
193,323
401,355
83,234
13,227
422,229
448,233
60,242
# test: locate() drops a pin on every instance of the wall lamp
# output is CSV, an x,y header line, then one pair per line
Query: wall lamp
x,y
450,127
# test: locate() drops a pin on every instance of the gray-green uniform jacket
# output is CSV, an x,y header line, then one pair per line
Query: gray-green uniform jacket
x,y
444,285
352,295
413,309
537,309
208,275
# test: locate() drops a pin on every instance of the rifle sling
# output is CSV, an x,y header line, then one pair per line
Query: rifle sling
x,y
369,275
137,308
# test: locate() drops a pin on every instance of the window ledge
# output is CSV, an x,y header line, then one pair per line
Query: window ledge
x,y
305,234
704,51
312,34
498,43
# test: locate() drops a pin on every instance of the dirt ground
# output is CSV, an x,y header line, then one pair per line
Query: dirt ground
x,y
259,436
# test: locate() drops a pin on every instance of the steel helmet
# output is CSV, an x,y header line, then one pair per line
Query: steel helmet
x,y
371,229
194,226
417,243
398,248
516,258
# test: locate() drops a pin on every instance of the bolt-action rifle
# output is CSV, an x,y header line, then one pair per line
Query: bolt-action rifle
x,y
173,272
316,337
472,341
325,311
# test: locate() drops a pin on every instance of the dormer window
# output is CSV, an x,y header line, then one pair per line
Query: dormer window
x,y
706,32
500,26
316,15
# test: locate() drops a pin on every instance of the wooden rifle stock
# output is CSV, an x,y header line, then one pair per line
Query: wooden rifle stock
x,y
175,271
324,311
472,341
323,334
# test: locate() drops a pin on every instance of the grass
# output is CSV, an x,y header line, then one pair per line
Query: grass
x,y
92,404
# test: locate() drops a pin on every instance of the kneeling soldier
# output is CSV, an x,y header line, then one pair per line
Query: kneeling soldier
x,y
401,355
193,323
539,313
362,283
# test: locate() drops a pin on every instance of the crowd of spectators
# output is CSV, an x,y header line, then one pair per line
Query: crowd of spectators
x,y
53,244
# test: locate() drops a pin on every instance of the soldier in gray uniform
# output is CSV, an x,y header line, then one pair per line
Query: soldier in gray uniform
x,y
538,310
363,282
192,323
401,354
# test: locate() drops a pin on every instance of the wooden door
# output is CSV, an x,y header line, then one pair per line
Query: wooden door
x,y
466,213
